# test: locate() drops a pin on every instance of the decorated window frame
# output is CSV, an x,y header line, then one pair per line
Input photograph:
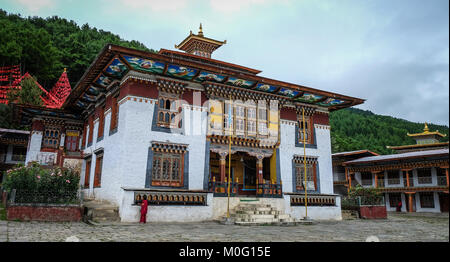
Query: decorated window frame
x,y
168,165
311,173
168,110
51,137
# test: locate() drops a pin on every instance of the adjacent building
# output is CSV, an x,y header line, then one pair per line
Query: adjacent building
x,y
13,148
417,176
180,127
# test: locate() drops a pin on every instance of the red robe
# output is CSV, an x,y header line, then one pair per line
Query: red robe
x,y
144,207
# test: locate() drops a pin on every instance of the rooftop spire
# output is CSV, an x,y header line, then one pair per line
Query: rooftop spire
x,y
198,44
425,129
200,31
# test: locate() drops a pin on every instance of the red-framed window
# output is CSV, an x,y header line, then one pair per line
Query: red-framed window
x,y
91,129
101,122
87,173
167,169
71,140
114,114
98,170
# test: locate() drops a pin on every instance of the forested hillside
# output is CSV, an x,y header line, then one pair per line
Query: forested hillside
x,y
44,47
354,129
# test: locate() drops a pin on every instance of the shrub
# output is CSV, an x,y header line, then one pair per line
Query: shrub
x,y
44,185
359,195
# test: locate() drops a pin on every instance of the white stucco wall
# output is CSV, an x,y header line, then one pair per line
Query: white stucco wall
x,y
323,152
126,152
314,212
34,147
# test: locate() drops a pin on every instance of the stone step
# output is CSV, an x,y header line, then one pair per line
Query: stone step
x,y
255,208
257,212
283,216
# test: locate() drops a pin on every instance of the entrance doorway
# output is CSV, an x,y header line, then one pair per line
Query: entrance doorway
x,y
249,183
443,201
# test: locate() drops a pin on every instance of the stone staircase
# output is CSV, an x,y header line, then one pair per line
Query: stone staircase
x,y
100,211
254,213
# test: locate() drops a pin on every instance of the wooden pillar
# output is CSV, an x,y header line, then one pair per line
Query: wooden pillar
x,y
407,180
349,181
410,202
446,174
376,179
259,168
223,157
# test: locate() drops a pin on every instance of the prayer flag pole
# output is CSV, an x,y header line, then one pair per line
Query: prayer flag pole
x,y
304,164
230,111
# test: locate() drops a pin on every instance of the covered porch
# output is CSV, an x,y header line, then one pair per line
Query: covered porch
x,y
253,172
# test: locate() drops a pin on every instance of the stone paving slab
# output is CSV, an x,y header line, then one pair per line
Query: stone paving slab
x,y
397,227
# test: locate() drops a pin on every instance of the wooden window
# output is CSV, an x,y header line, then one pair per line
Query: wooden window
x,y
228,120
168,109
19,153
215,117
262,118
98,170
114,114
251,119
304,129
84,136
426,200
366,179
101,122
240,119
87,172
51,137
393,177
424,176
311,179
91,129
72,138
167,169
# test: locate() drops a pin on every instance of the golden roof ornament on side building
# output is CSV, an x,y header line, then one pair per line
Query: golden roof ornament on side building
x,y
426,132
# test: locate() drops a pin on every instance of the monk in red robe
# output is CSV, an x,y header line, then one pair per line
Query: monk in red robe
x,y
144,206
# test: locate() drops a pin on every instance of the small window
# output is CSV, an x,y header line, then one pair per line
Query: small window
x,y
426,200
311,180
168,110
51,138
98,170
304,129
87,172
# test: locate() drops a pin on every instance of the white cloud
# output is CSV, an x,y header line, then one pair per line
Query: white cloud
x,y
155,5
230,6
35,5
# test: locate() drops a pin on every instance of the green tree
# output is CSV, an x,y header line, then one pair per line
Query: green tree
x,y
28,94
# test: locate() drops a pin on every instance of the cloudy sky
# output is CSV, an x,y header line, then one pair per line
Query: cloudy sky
x,y
393,53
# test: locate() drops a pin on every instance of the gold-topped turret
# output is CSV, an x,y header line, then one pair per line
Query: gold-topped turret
x,y
198,44
200,31
426,129
426,132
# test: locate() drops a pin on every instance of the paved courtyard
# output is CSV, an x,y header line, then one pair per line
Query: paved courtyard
x,y
398,227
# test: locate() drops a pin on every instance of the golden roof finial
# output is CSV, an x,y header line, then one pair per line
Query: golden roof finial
x,y
425,129
65,69
200,31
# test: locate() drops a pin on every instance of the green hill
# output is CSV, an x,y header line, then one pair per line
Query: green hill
x,y
44,47
354,129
